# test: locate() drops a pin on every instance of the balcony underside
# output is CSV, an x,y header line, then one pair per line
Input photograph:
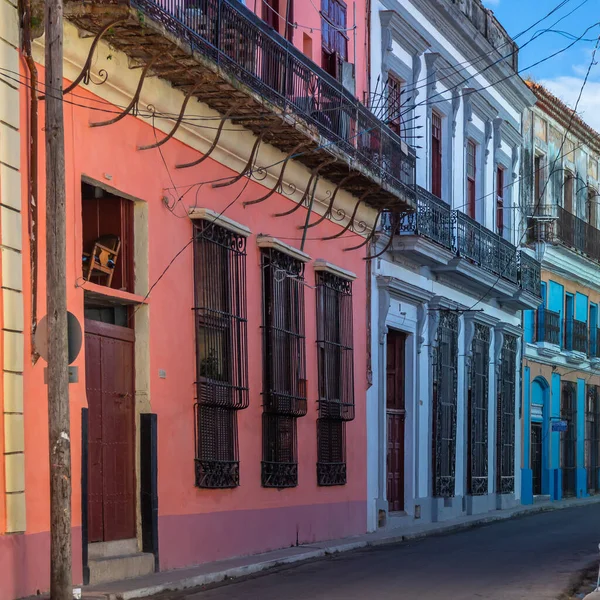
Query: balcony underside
x,y
142,37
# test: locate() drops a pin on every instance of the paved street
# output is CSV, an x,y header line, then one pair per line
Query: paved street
x,y
532,557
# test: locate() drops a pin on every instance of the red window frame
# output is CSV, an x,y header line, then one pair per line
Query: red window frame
x,y
471,177
334,39
500,200
436,154
394,104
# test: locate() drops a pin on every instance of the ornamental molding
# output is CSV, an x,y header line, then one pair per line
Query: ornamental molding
x,y
215,218
267,241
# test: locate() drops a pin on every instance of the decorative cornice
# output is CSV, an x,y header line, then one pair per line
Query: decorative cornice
x,y
206,214
554,107
267,241
404,290
402,32
322,265
510,329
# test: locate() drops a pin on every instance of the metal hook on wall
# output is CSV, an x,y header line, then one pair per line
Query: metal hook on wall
x,y
132,108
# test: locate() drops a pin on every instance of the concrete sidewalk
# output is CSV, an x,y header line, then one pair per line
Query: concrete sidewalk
x,y
239,567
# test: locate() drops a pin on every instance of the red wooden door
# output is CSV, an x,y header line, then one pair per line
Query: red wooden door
x,y
395,420
111,438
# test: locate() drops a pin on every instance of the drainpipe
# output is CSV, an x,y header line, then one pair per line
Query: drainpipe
x,y
25,9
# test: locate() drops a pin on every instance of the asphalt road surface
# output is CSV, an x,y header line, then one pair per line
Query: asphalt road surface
x,y
534,557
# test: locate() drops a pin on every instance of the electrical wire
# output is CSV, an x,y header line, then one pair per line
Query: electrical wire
x,y
559,155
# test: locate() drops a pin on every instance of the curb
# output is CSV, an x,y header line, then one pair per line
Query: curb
x,y
265,565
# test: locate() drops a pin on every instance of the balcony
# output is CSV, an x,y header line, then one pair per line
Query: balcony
x,y
555,225
451,242
248,68
595,346
576,340
547,327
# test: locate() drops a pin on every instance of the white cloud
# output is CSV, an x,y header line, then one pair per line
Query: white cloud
x,y
567,88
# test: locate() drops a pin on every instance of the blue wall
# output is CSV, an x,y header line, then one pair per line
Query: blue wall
x,y
554,466
526,472
581,474
556,300
581,307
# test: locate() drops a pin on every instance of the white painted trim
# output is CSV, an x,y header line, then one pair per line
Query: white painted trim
x,y
267,241
322,265
206,214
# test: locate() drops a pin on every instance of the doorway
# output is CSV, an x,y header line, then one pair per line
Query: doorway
x,y
536,457
111,434
396,416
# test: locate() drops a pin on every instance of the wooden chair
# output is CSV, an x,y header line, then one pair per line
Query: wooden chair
x,y
101,261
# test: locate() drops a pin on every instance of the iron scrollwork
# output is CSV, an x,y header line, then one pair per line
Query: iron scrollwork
x,y
445,370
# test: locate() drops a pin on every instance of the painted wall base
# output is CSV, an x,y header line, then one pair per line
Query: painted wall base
x,y
435,510
526,486
479,505
194,539
506,501
581,482
555,484
25,563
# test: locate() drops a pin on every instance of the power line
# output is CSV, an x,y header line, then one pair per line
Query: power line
x,y
571,120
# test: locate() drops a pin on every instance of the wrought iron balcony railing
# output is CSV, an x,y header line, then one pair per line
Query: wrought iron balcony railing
x,y
554,224
432,219
530,274
484,247
594,342
547,326
232,52
576,335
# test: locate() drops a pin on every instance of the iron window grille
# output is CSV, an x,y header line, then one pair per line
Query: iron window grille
x,y
592,438
221,352
478,412
284,366
507,386
445,368
568,438
336,375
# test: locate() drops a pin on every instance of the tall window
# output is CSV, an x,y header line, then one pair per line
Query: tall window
x,y
500,201
505,435
394,104
568,198
471,177
284,366
592,208
592,439
478,412
539,168
221,352
568,438
436,154
445,368
334,36
336,375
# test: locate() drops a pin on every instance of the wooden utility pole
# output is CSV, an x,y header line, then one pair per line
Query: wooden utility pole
x,y
56,290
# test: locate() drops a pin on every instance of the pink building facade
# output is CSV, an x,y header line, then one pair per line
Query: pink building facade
x,y
221,196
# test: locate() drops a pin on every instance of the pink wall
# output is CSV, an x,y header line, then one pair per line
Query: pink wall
x,y
306,15
195,525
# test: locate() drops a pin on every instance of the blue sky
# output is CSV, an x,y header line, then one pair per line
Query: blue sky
x,y
564,73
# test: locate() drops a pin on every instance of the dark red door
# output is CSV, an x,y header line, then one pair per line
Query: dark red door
x,y
395,420
111,438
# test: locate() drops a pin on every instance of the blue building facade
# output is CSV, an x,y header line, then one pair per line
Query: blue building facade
x,y
561,355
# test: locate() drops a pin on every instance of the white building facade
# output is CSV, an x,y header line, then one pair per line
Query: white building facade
x,y
444,417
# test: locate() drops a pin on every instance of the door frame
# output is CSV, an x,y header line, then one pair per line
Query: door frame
x,y
403,339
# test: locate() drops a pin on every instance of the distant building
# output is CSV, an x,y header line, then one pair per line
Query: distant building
x,y
444,415
561,397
